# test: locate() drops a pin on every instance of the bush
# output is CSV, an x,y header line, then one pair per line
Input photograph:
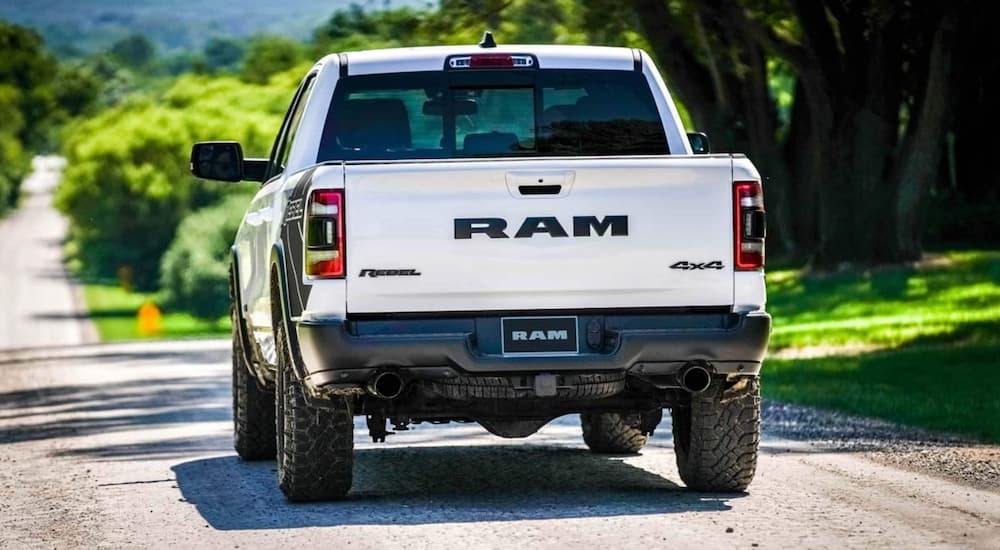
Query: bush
x,y
127,184
13,168
269,55
195,269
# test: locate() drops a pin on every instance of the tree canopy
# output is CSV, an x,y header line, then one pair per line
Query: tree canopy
x,y
863,141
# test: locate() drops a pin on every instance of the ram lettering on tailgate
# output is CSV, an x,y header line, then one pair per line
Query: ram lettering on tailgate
x,y
583,226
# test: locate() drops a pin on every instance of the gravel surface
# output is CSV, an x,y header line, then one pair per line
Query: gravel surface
x,y
914,449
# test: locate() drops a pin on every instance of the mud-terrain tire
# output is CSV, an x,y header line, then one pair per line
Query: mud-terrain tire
x,y
253,408
315,445
613,433
571,386
716,438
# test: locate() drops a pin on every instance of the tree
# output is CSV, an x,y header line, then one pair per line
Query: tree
x,y
27,106
269,55
135,51
76,89
223,53
26,68
849,173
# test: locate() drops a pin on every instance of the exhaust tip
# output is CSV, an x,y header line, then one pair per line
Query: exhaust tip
x,y
695,379
386,385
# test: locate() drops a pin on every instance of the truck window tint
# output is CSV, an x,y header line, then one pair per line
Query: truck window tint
x,y
502,124
492,114
425,131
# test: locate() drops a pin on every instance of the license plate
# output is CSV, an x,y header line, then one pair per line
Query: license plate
x,y
539,335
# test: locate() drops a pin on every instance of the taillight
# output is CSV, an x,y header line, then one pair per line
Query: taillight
x,y
749,225
324,256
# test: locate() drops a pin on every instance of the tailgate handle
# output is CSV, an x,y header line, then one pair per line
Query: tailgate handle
x,y
540,184
539,189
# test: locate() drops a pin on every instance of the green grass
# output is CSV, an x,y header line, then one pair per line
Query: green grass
x,y
940,387
113,311
955,299
937,327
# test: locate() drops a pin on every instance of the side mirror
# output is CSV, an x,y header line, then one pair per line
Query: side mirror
x,y
223,161
699,143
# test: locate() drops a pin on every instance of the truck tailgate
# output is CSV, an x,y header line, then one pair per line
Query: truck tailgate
x,y
425,236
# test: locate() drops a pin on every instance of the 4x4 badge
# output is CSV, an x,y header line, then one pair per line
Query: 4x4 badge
x,y
687,266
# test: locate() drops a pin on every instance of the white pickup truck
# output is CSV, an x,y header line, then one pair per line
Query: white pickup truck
x,y
501,235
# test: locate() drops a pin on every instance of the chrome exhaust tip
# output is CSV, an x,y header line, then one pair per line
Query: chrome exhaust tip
x,y
695,378
385,385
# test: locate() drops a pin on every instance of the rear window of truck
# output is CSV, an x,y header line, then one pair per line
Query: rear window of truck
x,y
492,113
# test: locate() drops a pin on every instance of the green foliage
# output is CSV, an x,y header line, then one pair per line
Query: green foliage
x,y
28,106
14,165
13,161
76,89
181,63
195,269
951,298
113,311
223,53
455,22
269,55
127,185
36,95
355,28
28,70
135,51
117,82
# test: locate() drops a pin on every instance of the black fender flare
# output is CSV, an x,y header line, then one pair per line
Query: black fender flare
x,y
251,355
282,313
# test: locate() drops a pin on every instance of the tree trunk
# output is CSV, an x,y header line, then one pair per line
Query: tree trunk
x,y
921,154
803,154
763,149
857,196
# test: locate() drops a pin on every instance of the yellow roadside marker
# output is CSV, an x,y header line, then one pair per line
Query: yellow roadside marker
x,y
150,319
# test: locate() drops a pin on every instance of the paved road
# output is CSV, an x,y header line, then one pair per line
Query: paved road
x,y
39,306
129,445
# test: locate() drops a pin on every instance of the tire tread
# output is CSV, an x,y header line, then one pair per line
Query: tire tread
x,y
315,445
612,433
253,410
716,440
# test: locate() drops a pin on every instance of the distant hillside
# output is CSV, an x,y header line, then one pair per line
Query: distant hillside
x,y
86,26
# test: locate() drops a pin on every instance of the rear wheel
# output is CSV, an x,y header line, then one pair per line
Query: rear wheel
x,y
613,433
253,408
716,438
315,445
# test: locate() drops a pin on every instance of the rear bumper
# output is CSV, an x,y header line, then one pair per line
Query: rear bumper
x,y
350,352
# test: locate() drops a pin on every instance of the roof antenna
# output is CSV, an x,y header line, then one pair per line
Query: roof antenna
x,y
487,41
